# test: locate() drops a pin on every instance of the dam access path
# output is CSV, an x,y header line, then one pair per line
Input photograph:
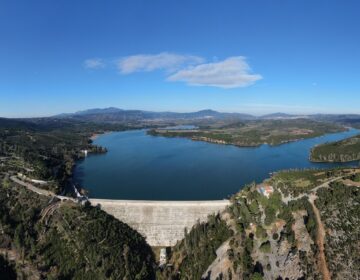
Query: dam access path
x,y
163,223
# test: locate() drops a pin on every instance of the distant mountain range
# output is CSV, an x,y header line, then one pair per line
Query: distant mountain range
x,y
113,114
116,114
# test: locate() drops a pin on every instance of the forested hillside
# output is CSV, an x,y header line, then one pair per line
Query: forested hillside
x,y
47,149
252,133
195,253
307,228
340,151
50,239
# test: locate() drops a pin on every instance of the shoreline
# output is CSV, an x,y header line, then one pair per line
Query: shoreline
x,y
255,145
96,135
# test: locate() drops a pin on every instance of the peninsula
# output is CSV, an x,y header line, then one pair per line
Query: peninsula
x,y
254,133
341,151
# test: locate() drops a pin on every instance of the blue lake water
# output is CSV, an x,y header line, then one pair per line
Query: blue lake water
x,y
140,166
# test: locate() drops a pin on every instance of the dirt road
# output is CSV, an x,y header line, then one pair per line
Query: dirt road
x,y
320,240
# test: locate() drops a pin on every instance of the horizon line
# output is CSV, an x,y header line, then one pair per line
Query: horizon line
x,y
181,112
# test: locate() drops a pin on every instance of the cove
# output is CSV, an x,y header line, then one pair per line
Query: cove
x,y
143,167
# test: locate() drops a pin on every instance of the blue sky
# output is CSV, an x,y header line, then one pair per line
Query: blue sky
x,y
235,56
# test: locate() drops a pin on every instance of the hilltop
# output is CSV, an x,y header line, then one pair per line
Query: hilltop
x,y
305,225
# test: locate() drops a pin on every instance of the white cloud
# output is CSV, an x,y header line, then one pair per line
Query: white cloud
x,y
94,63
230,73
164,61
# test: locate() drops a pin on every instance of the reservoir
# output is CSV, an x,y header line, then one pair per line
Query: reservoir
x,y
143,167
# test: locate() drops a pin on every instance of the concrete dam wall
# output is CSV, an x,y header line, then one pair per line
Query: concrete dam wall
x,y
161,222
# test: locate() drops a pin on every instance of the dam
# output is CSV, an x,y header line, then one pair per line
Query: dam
x,y
162,223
